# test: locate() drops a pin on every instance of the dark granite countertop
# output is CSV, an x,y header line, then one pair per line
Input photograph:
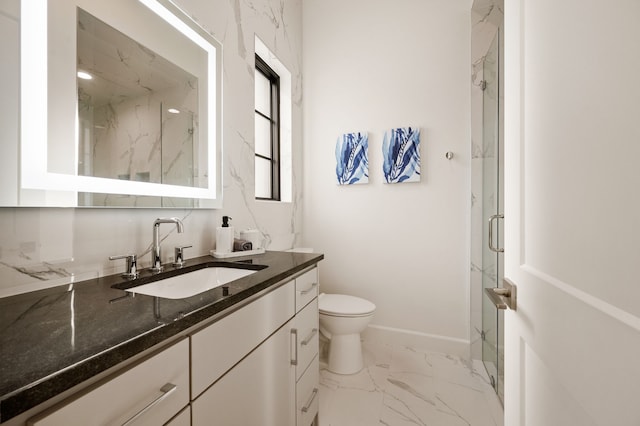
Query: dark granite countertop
x,y
54,339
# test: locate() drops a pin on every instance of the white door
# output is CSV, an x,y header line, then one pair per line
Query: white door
x,y
572,213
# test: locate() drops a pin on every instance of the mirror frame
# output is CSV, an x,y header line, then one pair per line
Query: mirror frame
x,y
62,190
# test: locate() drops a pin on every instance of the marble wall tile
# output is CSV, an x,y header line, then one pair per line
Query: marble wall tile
x,y
129,141
42,247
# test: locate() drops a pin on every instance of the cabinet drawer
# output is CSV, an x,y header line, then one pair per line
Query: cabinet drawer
x,y
308,394
217,348
306,332
147,385
306,288
182,419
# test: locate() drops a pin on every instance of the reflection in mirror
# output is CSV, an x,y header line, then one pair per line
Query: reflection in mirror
x,y
128,116
137,113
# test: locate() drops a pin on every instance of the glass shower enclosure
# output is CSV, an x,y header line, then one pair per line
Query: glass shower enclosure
x,y
492,217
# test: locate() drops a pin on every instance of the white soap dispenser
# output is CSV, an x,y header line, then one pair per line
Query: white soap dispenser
x,y
224,236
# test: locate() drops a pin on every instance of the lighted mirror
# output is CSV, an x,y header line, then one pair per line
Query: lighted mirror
x,y
121,106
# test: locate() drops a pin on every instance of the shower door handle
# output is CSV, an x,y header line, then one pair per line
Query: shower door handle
x,y
491,246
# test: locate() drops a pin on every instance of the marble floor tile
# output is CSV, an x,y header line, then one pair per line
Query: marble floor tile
x,y
351,400
494,404
409,399
406,359
400,385
374,353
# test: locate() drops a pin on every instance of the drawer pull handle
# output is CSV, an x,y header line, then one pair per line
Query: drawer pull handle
x,y
313,396
166,390
309,290
294,334
306,341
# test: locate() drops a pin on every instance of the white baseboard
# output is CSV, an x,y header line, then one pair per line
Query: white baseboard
x,y
417,340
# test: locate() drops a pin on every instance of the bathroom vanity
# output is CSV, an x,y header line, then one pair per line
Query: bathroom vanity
x,y
243,353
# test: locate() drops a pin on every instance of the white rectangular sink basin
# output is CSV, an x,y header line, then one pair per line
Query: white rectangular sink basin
x,y
191,283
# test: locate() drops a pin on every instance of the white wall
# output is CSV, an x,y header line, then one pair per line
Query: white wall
x,y
370,65
41,247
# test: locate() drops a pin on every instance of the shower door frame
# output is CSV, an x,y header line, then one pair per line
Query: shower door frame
x,y
492,209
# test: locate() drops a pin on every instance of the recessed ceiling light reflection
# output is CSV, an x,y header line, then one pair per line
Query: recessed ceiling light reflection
x,y
84,75
173,111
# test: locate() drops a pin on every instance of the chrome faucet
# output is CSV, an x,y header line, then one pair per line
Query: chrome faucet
x,y
156,265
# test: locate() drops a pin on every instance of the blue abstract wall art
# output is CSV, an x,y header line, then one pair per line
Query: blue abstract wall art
x,y
352,162
401,155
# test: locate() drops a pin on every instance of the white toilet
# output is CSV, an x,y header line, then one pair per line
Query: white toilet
x,y
342,319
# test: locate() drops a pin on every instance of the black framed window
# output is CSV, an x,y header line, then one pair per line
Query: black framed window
x,y
267,132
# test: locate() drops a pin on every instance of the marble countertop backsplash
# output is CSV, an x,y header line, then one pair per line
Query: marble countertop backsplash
x,y
56,338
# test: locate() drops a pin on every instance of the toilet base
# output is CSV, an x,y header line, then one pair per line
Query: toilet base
x,y
345,354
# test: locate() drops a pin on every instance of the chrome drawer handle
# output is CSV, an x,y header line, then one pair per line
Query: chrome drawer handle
x,y
294,334
313,396
309,290
166,390
306,341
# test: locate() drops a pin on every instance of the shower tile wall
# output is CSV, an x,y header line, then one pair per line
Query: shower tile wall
x,y
42,247
485,18
136,140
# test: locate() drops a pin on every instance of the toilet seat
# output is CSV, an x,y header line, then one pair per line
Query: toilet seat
x,y
342,305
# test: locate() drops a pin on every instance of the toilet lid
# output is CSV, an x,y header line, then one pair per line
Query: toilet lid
x,y
342,304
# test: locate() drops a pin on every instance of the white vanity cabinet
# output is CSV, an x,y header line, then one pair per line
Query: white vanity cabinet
x,y
259,365
258,391
307,395
182,419
305,325
306,329
217,348
255,366
306,288
150,393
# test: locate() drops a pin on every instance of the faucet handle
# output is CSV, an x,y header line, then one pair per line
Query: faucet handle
x,y
179,261
132,264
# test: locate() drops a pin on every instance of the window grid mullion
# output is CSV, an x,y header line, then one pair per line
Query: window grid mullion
x,y
274,160
264,116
